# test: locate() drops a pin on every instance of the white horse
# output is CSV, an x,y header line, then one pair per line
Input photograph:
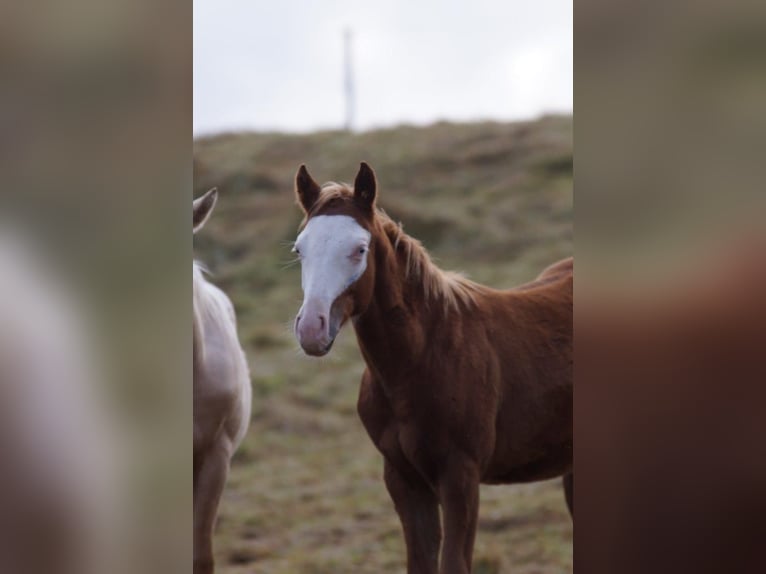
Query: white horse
x,y
222,396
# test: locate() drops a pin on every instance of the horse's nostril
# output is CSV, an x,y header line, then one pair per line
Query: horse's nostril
x,y
321,321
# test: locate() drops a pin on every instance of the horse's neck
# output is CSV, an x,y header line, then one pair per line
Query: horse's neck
x,y
391,330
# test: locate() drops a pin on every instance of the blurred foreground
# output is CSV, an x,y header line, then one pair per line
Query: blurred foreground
x,y
95,366
670,406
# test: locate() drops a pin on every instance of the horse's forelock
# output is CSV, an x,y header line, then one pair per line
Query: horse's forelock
x,y
332,193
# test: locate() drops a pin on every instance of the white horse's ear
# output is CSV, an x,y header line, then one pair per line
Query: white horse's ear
x,y
202,207
365,187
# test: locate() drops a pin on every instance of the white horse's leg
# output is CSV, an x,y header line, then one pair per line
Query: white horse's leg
x,y
210,482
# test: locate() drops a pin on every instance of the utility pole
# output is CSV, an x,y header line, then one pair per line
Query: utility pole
x,y
348,79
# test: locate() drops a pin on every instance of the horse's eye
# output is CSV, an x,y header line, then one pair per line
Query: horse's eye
x,y
296,251
362,250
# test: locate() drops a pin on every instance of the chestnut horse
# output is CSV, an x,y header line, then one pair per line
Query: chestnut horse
x,y
222,395
464,384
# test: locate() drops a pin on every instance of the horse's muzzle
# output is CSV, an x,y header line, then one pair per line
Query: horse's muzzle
x,y
317,351
314,330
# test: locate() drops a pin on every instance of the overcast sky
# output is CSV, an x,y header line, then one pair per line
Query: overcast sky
x,y
278,64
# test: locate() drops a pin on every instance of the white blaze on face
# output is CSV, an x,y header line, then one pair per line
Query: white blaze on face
x,y
333,252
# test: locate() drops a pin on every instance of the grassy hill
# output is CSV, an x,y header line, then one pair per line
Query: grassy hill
x,y
306,493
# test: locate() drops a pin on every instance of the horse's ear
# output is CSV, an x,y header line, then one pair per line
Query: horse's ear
x,y
201,209
306,189
365,187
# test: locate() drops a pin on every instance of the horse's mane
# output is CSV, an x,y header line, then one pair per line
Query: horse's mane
x,y
198,335
449,288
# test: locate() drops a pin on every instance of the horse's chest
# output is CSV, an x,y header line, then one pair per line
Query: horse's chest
x,y
382,415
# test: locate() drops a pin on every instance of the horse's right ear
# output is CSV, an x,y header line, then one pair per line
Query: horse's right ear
x,y
306,189
201,209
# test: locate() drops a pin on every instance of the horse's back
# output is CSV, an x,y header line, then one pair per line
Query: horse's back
x,y
560,273
558,269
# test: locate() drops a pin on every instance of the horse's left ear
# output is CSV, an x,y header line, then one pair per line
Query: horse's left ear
x,y
365,187
201,209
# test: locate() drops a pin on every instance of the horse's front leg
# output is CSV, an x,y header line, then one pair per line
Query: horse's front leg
x,y
418,510
209,482
459,495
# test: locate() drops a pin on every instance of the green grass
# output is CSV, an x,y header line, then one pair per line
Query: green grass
x,y
305,493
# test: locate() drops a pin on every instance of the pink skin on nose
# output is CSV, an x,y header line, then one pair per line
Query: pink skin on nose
x,y
312,328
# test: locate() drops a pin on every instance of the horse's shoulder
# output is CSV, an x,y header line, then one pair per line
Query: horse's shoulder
x,y
371,394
